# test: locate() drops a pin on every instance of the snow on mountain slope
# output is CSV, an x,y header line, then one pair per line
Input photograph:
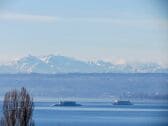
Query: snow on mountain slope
x,y
31,64
62,64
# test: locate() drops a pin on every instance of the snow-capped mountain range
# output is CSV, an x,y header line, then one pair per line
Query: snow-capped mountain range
x,y
53,64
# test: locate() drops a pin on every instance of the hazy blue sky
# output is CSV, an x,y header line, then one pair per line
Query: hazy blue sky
x,y
114,30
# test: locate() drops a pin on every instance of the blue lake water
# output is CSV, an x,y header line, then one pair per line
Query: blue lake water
x,y
101,114
143,87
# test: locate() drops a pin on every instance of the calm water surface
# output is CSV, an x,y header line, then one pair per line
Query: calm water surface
x,y
100,114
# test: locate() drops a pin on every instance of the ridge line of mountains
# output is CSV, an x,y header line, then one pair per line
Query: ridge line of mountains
x,y
53,64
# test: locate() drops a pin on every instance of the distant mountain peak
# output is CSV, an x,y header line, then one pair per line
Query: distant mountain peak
x,y
63,64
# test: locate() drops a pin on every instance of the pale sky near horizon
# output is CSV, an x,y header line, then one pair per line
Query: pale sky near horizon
x,y
113,30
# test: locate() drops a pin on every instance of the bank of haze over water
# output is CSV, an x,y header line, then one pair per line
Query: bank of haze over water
x,y
144,86
52,64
